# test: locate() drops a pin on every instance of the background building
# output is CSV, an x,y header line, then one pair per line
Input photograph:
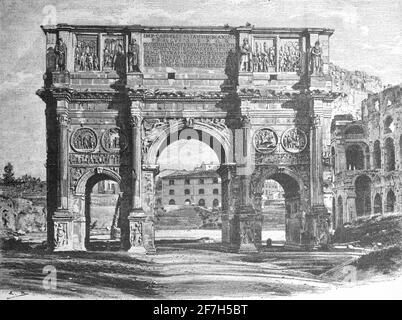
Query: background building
x,y
366,159
201,187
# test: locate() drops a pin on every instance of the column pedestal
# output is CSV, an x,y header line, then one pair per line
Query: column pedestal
x,y
63,231
136,221
244,226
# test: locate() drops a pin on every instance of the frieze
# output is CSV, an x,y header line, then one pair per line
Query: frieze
x,y
114,140
84,140
86,57
114,57
290,56
111,159
187,50
265,140
282,158
264,56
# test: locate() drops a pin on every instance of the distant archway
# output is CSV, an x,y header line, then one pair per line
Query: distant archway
x,y
340,211
377,155
390,154
377,204
363,195
390,205
354,157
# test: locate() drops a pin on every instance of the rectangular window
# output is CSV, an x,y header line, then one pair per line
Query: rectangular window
x,y
171,182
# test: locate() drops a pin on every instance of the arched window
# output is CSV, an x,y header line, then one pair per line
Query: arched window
x,y
171,192
215,191
215,180
340,211
215,203
187,202
390,206
201,191
354,157
363,195
389,154
172,202
187,191
377,155
377,203
201,203
388,124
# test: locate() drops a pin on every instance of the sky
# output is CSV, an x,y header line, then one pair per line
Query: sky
x,y
368,37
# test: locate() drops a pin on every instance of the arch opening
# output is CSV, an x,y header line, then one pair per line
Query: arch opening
x,y
340,211
363,195
390,205
389,154
354,157
378,204
102,211
377,155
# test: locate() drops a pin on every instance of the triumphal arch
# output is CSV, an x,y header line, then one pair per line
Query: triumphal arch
x,y
116,96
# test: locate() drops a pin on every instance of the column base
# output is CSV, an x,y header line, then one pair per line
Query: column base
x,y
247,248
140,250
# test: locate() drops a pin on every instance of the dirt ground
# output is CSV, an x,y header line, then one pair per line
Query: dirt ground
x,y
181,269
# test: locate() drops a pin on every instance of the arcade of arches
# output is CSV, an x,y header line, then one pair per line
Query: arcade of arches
x,y
111,121
367,169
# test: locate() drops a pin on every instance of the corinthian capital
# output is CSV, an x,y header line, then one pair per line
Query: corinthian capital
x,y
135,120
62,119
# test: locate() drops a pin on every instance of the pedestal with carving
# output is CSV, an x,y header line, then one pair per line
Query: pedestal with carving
x,y
137,220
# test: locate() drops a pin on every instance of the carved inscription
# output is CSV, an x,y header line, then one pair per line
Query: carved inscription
x,y
187,50
94,158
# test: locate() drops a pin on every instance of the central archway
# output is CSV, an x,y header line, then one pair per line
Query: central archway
x,y
186,199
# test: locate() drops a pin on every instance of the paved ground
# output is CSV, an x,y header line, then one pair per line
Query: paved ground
x,y
180,270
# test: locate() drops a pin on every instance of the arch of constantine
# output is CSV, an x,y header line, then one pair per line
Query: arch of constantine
x,y
116,96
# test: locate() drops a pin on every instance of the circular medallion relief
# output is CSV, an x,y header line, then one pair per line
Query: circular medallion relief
x,y
84,140
114,140
265,140
294,140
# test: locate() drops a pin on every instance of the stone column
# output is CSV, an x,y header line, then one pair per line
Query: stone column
x,y
62,218
226,171
62,119
245,215
148,205
318,211
136,217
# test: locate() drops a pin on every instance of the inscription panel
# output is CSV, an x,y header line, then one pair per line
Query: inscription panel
x,y
187,50
107,159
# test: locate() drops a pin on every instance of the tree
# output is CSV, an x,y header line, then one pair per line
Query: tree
x,y
8,175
